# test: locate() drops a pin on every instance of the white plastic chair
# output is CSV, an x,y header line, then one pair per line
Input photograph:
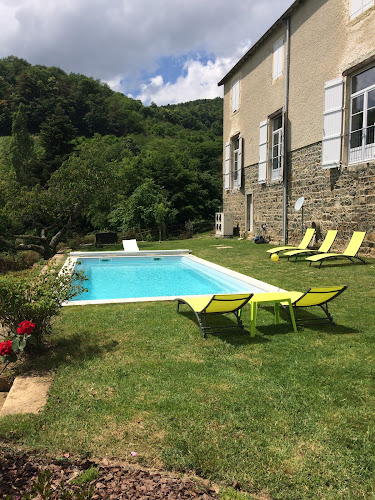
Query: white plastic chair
x,y
130,245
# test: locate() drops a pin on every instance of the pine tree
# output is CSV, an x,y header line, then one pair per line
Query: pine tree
x,y
21,147
56,134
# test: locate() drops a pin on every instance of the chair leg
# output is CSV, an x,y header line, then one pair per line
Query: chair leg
x,y
200,324
253,318
292,316
360,258
277,312
329,316
239,322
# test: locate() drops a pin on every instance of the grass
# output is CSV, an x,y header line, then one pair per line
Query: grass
x,y
285,415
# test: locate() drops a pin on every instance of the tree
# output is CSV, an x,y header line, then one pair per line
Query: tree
x,y
147,208
86,186
161,211
21,147
56,135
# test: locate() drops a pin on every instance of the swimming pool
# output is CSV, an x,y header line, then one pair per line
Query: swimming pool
x,y
119,278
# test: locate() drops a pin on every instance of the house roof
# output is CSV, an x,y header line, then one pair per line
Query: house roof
x,y
275,26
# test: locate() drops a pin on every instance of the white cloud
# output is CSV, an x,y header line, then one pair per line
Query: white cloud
x,y
119,40
199,81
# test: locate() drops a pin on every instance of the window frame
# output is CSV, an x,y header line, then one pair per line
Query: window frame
x,y
267,134
366,150
276,174
233,163
236,159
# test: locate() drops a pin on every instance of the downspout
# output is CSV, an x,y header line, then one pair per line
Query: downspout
x,y
285,140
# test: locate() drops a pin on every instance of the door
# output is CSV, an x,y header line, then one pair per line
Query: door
x,y
249,213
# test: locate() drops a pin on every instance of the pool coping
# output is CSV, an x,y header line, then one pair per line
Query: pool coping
x,y
74,256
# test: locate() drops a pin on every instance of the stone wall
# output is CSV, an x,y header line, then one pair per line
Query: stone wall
x,y
342,199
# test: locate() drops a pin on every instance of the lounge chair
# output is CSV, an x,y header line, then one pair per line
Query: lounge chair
x,y
350,251
324,247
302,246
130,245
315,297
216,304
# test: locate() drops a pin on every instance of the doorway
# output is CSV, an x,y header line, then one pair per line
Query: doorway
x,y
249,212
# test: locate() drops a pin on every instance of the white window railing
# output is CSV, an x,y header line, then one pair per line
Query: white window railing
x,y
361,144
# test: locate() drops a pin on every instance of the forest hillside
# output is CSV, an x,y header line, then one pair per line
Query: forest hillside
x,y
77,157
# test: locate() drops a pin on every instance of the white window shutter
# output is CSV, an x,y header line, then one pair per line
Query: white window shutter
x,y
332,123
235,96
227,166
263,146
367,4
356,7
278,59
239,163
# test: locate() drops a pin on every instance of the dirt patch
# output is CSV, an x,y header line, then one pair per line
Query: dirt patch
x,y
19,471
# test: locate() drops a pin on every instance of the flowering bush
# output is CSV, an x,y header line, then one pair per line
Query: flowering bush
x,y
16,343
38,296
6,348
25,327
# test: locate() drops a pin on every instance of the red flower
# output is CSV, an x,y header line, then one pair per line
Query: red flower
x,y
6,348
25,327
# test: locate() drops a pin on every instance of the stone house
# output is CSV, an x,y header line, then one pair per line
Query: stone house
x,y
299,119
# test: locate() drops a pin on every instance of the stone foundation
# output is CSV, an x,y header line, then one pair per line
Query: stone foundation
x,y
342,199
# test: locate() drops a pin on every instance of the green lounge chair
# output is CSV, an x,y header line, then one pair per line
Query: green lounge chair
x,y
315,297
216,304
324,247
350,251
302,246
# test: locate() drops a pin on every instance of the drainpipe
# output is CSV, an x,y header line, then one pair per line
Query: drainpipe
x,y
285,148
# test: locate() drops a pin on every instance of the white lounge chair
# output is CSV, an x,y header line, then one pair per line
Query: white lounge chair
x,y
130,245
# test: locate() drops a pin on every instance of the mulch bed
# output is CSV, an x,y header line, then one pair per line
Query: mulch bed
x,y
18,472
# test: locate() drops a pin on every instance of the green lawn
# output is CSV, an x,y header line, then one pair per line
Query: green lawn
x,y
286,415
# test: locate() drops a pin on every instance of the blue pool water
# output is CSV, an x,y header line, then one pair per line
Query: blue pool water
x,y
135,277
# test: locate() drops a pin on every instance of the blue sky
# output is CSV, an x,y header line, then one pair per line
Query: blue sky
x,y
166,51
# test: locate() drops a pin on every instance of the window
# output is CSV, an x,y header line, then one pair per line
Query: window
x,y
235,96
362,117
271,149
249,212
236,165
233,163
263,146
277,148
359,6
278,59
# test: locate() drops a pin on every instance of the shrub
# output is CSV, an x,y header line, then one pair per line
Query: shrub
x,y
16,343
16,262
37,297
75,242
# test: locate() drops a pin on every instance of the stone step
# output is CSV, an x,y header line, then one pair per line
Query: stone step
x,y
27,395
